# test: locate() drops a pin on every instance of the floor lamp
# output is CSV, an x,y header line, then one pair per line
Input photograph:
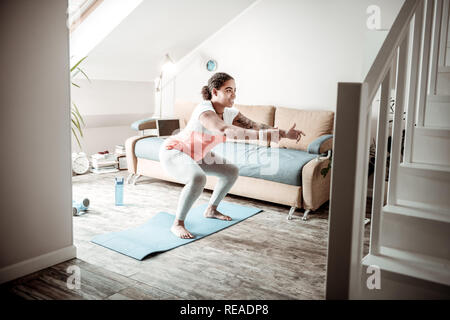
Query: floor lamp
x,y
167,65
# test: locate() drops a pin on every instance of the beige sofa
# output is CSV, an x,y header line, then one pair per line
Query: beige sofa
x,y
314,189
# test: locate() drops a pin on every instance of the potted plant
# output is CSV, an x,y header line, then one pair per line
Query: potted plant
x,y
76,118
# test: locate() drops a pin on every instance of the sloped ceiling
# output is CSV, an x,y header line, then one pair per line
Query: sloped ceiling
x,y
134,50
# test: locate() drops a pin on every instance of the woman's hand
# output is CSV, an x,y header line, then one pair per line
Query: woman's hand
x,y
292,134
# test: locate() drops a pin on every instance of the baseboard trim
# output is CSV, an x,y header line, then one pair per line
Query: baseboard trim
x,y
26,267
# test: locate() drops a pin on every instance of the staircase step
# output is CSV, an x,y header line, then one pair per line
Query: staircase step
x,y
425,184
443,83
415,230
434,272
425,168
414,257
432,208
442,132
437,111
431,145
438,98
421,213
444,69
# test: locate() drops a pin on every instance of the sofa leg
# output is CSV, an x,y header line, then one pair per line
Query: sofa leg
x,y
305,215
291,212
136,178
130,176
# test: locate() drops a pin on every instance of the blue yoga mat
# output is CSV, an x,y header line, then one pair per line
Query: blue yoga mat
x,y
155,235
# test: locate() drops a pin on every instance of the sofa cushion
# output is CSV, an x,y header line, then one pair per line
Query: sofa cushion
x,y
273,164
314,123
258,113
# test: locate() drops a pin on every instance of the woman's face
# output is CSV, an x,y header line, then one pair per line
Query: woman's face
x,y
226,94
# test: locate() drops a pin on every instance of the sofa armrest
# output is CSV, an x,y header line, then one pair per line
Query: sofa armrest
x,y
321,145
129,149
144,124
315,187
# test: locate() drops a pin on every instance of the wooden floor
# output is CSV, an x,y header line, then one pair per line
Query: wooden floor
x,y
263,257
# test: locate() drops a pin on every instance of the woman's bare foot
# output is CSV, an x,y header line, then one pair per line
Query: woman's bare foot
x,y
180,231
212,212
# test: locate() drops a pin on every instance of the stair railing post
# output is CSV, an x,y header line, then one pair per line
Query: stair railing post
x,y
444,33
414,81
437,21
398,120
380,166
423,91
346,219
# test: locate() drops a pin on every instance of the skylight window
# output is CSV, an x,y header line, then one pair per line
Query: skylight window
x,y
80,10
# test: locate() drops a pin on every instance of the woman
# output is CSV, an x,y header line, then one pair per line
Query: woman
x,y
211,122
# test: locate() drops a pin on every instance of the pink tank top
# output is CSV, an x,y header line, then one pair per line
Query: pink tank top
x,y
195,140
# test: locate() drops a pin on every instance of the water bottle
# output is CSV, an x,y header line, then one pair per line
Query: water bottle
x,y
119,191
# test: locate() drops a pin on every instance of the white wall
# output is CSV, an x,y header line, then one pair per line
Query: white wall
x,y
290,52
36,219
104,97
108,109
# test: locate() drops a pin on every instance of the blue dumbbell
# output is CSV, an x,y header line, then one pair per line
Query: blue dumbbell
x,y
79,208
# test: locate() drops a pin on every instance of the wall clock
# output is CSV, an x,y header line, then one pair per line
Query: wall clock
x,y
211,65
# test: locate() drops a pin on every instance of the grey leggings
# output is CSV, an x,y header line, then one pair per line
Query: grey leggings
x,y
193,173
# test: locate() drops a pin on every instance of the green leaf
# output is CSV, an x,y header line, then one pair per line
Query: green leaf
x,y
78,113
76,120
77,64
76,117
84,74
76,137
77,125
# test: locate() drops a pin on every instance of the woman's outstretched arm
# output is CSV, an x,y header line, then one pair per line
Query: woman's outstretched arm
x,y
212,122
242,121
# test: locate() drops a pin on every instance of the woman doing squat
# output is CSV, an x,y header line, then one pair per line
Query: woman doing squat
x,y
211,122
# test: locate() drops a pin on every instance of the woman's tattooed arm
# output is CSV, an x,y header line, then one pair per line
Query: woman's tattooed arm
x,y
242,121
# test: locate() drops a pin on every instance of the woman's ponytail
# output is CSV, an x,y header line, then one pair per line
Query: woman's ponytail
x,y
206,93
